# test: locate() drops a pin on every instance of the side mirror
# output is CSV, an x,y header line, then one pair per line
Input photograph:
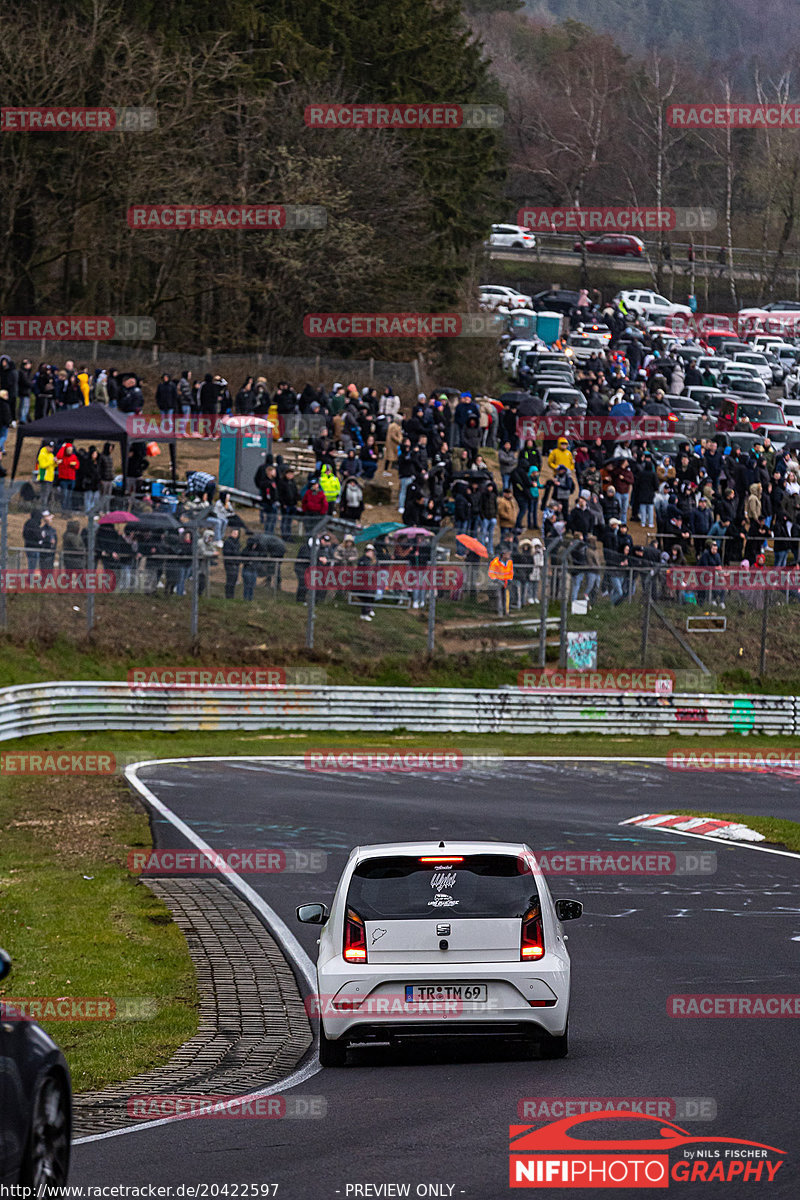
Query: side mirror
x,y
312,914
568,910
5,965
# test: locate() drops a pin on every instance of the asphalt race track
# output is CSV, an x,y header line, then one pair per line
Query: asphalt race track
x,y
441,1116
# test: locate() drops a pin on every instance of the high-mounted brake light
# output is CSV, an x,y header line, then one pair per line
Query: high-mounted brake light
x,y
443,858
532,937
355,937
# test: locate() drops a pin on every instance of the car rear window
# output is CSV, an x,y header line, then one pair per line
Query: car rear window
x,y
402,888
770,413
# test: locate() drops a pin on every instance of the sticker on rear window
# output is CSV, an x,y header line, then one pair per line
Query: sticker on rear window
x,y
442,880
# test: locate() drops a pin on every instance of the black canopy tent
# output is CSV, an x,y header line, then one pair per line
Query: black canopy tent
x,y
90,423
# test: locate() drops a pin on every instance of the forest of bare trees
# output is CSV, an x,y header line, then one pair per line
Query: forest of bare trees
x,y
407,212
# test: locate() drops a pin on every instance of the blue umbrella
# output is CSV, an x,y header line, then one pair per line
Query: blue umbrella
x,y
375,531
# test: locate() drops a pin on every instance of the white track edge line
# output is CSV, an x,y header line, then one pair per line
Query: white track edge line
x,y
709,837
288,942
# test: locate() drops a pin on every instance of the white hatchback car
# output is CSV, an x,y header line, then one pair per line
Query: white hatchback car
x,y
514,237
426,940
652,305
496,295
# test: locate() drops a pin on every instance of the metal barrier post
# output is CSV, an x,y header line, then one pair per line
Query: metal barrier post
x,y
432,599
543,606
311,592
3,554
647,585
762,658
562,629
90,531
195,579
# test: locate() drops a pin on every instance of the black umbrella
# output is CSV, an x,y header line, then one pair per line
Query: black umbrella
x,y
512,399
157,521
270,545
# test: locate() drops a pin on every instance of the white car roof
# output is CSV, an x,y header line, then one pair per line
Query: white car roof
x,y
431,849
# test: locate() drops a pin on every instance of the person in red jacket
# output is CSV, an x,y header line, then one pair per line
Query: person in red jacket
x,y
68,463
315,503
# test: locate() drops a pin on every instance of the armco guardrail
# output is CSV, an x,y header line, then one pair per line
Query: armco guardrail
x,y
60,707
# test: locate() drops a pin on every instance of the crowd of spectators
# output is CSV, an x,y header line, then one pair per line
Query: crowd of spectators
x,y
462,458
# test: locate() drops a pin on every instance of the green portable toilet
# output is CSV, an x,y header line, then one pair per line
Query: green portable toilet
x,y
244,444
548,326
522,323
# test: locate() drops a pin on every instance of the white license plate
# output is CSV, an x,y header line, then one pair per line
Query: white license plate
x,y
417,993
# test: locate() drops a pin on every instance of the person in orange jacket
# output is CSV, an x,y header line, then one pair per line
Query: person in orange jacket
x,y
501,573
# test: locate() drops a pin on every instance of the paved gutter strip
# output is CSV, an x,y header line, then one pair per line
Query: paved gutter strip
x,y
253,1027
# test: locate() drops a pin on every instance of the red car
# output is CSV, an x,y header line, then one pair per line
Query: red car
x,y
622,244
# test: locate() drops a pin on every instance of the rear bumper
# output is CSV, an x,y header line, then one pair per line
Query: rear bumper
x,y
348,1003
410,1032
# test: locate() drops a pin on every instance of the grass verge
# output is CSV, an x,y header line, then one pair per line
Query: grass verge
x,y
77,924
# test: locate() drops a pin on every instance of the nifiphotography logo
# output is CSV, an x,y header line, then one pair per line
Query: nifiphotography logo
x,y
589,1150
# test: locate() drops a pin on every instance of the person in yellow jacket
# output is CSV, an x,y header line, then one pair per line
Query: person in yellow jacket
x,y
331,487
274,420
501,574
83,384
561,456
46,473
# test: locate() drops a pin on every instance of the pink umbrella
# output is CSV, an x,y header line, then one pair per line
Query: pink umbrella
x,y
116,518
411,531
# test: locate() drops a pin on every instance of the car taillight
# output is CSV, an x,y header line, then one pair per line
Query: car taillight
x,y
671,417
532,937
355,937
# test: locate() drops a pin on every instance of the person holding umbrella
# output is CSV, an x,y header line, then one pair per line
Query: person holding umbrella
x,y
207,554
114,551
420,556
232,557
368,559
175,568
251,552
32,538
475,551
